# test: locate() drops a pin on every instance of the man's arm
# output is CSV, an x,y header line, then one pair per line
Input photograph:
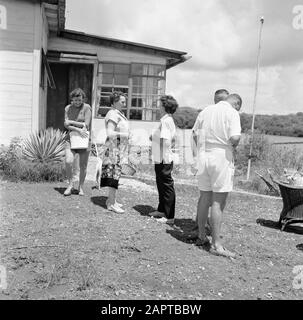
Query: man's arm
x,y
234,140
194,143
194,136
234,128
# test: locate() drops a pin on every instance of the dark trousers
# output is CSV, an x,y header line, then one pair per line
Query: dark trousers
x,y
166,190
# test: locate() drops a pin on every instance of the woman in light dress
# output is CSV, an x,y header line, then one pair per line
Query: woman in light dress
x,y
115,149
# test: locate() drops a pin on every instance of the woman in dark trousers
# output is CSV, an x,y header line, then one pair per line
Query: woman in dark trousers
x,y
162,144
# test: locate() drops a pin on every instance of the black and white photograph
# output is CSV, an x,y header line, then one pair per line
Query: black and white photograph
x,y
151,151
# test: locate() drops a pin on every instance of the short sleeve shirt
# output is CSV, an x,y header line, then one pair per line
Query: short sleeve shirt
x,y
167,131
79,114
216,124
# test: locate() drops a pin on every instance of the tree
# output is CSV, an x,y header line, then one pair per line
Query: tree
x,y
185,117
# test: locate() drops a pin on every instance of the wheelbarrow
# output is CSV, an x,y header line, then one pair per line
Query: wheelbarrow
x,y
292,196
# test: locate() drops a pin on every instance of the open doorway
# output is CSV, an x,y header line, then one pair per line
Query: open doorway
x,y
67,76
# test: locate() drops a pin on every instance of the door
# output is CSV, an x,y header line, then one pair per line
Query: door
x,y
67,77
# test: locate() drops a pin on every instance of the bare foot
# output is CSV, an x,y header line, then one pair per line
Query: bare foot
x,y
221,251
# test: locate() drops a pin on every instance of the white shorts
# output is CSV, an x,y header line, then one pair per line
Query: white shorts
x,y
216,170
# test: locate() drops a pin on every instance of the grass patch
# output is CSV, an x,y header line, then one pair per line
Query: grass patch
x,y
24,170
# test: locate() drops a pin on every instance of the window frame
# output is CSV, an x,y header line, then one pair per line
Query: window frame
x,y
146,93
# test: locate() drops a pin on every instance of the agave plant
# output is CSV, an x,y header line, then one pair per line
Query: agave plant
x,y
45,146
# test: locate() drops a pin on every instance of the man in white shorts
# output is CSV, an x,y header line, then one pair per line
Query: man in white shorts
x,y
218,134
220,95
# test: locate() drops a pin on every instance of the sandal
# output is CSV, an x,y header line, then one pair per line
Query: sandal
x,y
120,205
68,191
203,242
115,209
222,252
192,236
208,229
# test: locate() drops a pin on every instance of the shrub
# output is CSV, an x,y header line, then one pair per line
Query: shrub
x,y
286,156
260,150
45,146
260,186
25,170
10,154
185,117
276,160
38,158
3,152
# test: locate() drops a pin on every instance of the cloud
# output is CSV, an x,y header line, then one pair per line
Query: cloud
x,y
218,34
222,38
280,44
203,30
279,87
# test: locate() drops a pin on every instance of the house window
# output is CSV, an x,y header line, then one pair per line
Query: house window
x,y
143,84
111,77
148,84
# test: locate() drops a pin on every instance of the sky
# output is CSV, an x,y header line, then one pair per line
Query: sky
x,y
221,36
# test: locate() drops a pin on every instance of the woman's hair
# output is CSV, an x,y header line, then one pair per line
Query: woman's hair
x,y
77,93
169,103
115,97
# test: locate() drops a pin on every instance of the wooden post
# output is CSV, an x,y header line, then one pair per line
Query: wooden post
x,y
254,101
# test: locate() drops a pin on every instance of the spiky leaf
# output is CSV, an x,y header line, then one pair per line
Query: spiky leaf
x,y
45,146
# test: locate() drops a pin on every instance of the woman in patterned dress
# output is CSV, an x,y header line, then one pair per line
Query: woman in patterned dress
x,y
115,149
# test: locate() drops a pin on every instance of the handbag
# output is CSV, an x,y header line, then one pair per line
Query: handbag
x,y
128,169
77,141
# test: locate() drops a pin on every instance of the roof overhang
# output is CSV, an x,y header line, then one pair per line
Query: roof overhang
x,y
67,56
55,14
173,57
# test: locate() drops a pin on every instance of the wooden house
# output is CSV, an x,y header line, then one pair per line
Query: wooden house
x,y
41,62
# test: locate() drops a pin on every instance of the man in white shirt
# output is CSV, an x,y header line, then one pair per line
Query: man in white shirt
x,y
220,95
218,131
163,156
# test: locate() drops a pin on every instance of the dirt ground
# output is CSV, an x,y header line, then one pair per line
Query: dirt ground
x,y
56,247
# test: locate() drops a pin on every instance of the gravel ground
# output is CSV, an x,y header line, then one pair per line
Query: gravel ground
x,y
56,247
